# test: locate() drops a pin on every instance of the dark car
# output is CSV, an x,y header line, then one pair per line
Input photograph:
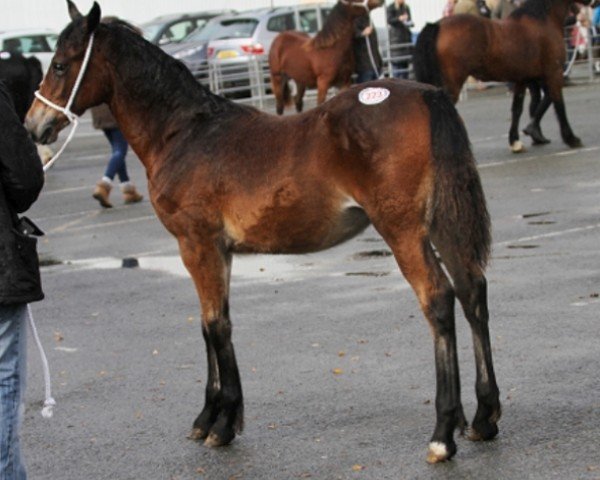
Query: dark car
x,y
168,29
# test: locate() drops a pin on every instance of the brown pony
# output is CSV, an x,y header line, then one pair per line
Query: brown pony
x,y
322,62
226,178
527,48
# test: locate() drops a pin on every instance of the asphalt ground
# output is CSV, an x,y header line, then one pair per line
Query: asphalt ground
x,y
335,357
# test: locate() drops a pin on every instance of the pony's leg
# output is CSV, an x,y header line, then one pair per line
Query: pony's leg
x,y
418,263
470,286
561,113
534,129
223,412
301,88
277,86
322,87
535,92
516,146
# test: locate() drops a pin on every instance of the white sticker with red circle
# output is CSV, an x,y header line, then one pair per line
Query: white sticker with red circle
x,y
373,96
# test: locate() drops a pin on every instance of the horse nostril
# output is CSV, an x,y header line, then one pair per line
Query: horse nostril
x,y
45,135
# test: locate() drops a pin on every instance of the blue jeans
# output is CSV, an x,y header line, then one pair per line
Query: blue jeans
x,y
13,336
116,164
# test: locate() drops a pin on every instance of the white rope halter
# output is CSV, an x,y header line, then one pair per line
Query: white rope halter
x,y
66,110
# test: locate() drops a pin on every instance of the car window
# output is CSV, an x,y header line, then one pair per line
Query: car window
x,y
193,34
151,30
231,28
177,32
30,43
281,23
308,21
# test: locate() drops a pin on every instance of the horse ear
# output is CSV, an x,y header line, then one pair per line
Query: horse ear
x,y
93,18
73,10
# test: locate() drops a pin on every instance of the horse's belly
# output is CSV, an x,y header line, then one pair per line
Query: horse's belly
x,y
302,228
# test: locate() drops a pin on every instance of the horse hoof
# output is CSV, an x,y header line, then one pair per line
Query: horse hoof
x,y
574,143
438,452
197,434
482,432
541,141
214,440
517,147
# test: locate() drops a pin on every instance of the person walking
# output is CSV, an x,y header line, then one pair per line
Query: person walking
x,y
367,59
399,20
21,180
103,119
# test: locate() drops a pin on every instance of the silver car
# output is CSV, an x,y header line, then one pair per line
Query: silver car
x,y
237,37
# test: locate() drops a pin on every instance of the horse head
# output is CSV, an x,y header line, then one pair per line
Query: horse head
x,y
60,98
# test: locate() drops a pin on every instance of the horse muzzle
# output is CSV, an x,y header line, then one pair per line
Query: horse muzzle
x,y
44,124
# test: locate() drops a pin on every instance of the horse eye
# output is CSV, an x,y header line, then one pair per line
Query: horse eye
x,y
59,68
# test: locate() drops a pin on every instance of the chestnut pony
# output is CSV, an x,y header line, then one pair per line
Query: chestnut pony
x,y
226,178
527,48
323,61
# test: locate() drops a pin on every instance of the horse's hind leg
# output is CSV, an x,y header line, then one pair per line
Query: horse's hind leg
x,y
223,412
278,84
471,289
516,146
418,263
561,112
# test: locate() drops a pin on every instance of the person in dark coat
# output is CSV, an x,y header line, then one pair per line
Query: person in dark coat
x,y
367,59
21,180
399,21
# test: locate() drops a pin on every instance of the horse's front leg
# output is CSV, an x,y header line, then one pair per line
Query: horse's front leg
x,y
299,100
516,146
223,413
322,87
534,129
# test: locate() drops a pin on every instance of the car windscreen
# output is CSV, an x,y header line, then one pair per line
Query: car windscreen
x,y
150,30
223,29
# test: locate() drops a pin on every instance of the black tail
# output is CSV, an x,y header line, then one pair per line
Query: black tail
x,y
425,59
459,215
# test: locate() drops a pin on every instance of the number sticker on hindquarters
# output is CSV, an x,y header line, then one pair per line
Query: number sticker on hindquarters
x,y
373,96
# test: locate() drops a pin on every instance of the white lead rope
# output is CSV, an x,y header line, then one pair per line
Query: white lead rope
x,y
49,402
66,110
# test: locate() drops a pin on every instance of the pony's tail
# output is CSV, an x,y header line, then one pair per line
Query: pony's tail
x,y
459,216
425,60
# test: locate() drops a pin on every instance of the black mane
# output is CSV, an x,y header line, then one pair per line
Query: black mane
x,y
150,73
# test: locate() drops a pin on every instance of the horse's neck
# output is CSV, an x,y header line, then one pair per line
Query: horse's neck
x,y
151,114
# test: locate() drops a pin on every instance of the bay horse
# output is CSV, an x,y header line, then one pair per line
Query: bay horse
x,y
322,62
527,48
226,178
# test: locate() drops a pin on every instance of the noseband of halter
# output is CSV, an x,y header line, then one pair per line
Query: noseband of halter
x,y
66,110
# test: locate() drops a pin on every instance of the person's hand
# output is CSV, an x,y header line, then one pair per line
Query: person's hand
x,y
367,31
403,17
